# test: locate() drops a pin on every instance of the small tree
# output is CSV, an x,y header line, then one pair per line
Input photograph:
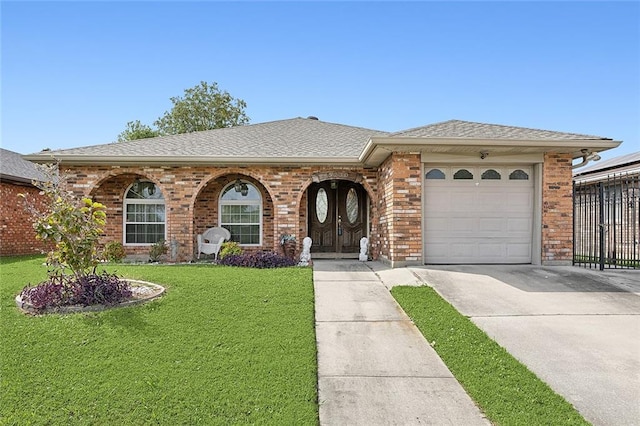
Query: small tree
x,y
74,227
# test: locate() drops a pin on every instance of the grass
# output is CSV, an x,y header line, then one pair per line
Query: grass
x,y
504,389
223,346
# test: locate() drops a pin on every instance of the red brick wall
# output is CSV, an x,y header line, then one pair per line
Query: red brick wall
x,y
557,209
400,209
16,231
192,193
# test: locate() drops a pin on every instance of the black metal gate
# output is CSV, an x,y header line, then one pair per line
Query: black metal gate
x,y
606,222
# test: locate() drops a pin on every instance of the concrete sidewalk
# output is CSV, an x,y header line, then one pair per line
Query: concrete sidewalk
x,y
374,366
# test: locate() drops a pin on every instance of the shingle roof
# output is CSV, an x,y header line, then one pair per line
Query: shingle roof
x,y
610,164
472,130
13,167
309,140
292,138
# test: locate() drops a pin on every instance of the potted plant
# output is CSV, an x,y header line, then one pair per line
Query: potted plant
x,y
288,244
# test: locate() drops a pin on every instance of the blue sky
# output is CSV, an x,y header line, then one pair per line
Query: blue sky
x,y
74,73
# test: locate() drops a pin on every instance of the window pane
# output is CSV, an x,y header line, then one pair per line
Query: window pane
x,y
491,175
144,190
230,193
322,205
518,175
352,205
144,233
463,174
244,234
435,174
241,214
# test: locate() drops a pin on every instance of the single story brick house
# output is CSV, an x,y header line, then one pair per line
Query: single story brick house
x,y
450,192
16,231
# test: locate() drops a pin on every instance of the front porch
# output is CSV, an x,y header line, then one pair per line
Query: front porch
x,y
257,205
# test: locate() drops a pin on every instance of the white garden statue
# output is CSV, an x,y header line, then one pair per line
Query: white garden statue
x,y
305,256
364,249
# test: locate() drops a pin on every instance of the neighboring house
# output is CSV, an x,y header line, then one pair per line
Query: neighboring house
x,y
451,192
17,235
607,212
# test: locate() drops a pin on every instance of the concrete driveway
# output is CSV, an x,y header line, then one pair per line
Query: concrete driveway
x,y
576,329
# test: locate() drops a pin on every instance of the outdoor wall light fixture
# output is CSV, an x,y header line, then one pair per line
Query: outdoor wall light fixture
x,y
241,187
483,154
587,155
334,184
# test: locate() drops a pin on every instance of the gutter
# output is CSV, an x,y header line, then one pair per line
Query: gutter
x,y
118,160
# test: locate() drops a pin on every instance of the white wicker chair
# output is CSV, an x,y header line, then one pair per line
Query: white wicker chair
x,y
209,241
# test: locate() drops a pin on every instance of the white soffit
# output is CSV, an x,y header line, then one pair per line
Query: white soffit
x,y
378,149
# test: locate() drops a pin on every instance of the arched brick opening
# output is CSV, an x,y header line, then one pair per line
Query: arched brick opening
x,y
338,175
110,191
206,212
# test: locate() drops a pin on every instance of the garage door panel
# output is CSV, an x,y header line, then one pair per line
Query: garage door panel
x,y
519,250
519,201
488,201
460,202
461,224
519,224
489,251
461,250
478,221
490,226
437,225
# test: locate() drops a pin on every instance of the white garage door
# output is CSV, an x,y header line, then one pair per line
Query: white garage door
x,y
478,214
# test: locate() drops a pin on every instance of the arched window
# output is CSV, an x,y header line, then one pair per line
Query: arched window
x,y
463,174
518,175
144,214
241,213
491,175
435,174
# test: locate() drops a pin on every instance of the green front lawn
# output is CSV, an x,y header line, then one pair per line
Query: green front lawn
x,y
223,346
504,389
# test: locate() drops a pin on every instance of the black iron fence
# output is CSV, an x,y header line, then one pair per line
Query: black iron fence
x,y
606,222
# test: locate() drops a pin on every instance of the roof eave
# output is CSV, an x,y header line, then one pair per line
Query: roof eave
x,y
378,149
178,160
16,180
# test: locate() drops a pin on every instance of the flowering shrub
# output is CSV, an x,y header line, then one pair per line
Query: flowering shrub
x,y
92,289
73,225
261,259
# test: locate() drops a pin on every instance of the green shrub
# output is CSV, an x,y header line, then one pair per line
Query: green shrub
x,y
229,247
114,251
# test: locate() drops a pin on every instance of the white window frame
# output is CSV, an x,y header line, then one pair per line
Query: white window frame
x,y
257,202
128,201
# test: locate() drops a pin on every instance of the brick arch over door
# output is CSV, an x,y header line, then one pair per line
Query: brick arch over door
x,y
327,175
